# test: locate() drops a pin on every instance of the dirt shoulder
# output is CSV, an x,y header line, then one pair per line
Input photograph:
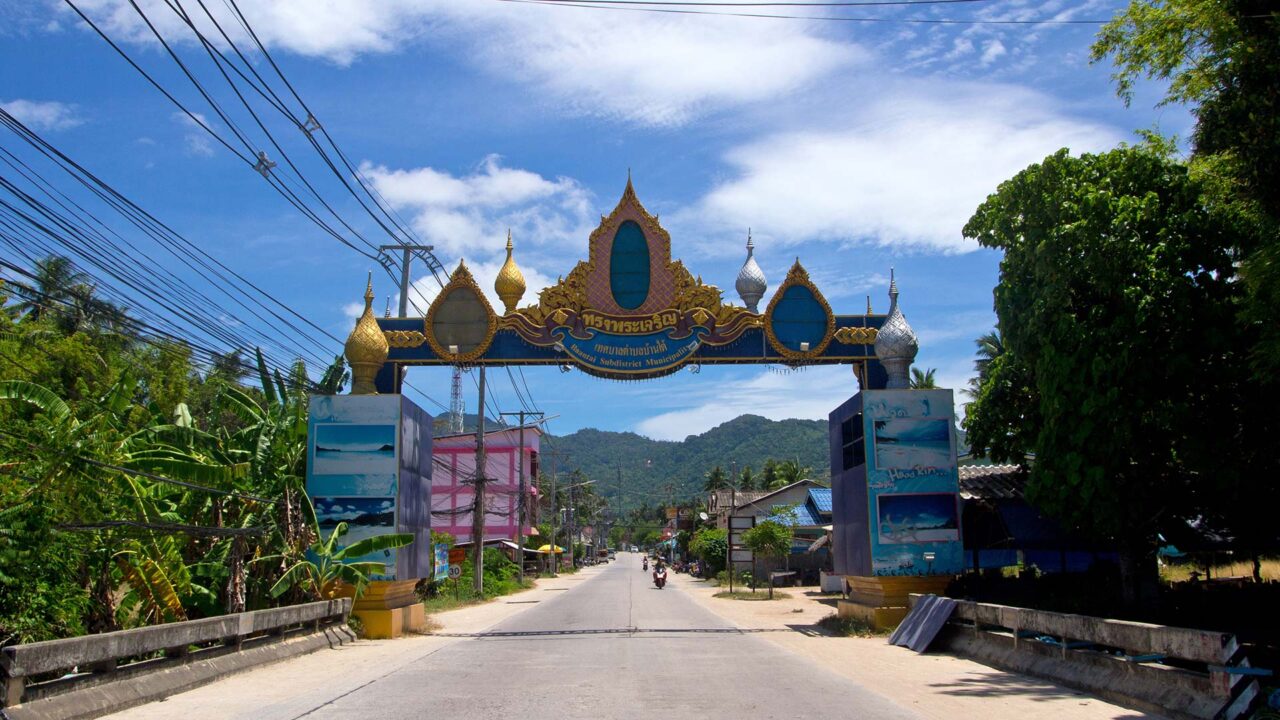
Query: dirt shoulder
x,y
935,685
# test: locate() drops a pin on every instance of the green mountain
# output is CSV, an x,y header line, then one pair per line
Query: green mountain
x,y
631,470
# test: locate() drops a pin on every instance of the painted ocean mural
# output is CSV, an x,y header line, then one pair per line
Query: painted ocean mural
x,y
917,517
354,449
912,443
365,517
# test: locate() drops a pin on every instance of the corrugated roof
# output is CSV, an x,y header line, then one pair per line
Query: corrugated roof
x,y
803,517
991,482
821,499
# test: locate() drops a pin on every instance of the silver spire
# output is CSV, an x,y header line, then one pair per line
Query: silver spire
x,y
751,283
896,343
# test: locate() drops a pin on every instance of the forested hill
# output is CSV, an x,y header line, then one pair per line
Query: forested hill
x,y
648,466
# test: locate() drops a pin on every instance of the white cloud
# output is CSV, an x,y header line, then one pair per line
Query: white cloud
x,y
646,68
469,215
811,393
908,170
992,52
196,140
43,115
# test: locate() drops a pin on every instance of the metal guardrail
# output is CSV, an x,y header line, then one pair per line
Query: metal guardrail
x,y
100,655
1127,660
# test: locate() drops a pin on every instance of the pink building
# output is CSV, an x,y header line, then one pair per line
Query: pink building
x,y
452,494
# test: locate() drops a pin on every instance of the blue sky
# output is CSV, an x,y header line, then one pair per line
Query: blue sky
x,y
856,147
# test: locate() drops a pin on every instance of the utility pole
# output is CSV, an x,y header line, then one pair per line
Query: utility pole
x,y
556,456
477,509
520,513
405,259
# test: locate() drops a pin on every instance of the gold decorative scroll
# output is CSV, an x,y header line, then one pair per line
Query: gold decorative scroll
x,y
404,338
856,335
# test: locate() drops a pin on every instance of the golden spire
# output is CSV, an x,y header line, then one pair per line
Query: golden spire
x,y
366,348
510,283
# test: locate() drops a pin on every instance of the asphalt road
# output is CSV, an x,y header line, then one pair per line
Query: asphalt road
x,y
613,646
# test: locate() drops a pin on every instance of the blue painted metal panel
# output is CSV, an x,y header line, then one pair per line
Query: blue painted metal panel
x,y
629,270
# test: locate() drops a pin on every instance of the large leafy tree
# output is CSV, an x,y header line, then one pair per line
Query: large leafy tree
x,y
716,479
1221,58
1117,300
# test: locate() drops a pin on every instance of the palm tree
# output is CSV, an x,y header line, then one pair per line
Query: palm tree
x,y
769,476
923,380
788,472
716,480
746,481
990,347
55,281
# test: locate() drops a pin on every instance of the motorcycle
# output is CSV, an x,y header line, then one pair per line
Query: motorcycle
x,y
660,577
645,564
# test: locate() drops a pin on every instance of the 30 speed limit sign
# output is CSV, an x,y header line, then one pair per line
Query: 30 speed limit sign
x,y
455,572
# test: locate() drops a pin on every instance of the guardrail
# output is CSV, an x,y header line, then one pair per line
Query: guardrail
x,y
42,669
1174,671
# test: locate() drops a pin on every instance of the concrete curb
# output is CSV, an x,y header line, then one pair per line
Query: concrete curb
x,y
113,696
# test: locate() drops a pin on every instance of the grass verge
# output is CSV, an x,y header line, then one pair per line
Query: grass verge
x,y
748,595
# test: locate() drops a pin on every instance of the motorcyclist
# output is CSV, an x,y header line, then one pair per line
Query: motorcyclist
x,y
659,573
645,563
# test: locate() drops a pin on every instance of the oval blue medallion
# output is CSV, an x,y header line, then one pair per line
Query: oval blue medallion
x,y
798,317
629,267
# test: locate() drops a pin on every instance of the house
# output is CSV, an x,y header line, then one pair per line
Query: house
x,y
453,489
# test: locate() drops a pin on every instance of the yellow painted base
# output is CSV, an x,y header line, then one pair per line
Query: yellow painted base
x,y
879,618
391,624
881,601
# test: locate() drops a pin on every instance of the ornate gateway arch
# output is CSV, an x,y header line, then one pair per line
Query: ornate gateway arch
x,y
627,312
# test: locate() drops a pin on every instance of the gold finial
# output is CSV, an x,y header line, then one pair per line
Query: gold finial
x,y
510,284
366,348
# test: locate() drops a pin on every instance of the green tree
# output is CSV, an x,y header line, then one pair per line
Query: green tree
x,y
990,347
789,472
716,480
923,380
1116,300
768,476
1222,59
746,480
769,539
710,546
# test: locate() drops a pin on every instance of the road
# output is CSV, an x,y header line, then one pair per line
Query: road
x,y
608,646
612,647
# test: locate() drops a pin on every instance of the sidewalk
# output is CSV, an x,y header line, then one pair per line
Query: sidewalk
x,y
935,685
297,686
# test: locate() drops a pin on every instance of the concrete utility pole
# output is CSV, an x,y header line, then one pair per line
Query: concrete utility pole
x,y
520,513
407,257
477,509
556,456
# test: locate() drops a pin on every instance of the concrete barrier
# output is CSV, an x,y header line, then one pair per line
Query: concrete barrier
x,y
111,671
1178,672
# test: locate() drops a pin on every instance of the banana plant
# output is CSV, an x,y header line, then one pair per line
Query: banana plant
x,y
327,564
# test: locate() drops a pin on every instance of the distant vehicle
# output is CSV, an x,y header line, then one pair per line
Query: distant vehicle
x,y
612,555
635,549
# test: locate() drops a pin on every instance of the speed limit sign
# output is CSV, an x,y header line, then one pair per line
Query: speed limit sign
x,y
455,572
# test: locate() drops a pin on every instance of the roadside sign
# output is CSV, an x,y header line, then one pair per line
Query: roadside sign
x,y
457,555
455,572
441,561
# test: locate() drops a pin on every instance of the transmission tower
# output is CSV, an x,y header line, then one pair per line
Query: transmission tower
x,y
456,405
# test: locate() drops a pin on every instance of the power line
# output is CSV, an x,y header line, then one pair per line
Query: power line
x,y
859,3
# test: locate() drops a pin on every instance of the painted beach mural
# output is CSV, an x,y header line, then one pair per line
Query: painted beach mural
x,y
342,449
912,483
918,517
913,442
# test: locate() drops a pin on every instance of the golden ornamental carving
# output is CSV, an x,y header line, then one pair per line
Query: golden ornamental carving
x,y
461,278
510,284
405,338
366,348
856,335
799,276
